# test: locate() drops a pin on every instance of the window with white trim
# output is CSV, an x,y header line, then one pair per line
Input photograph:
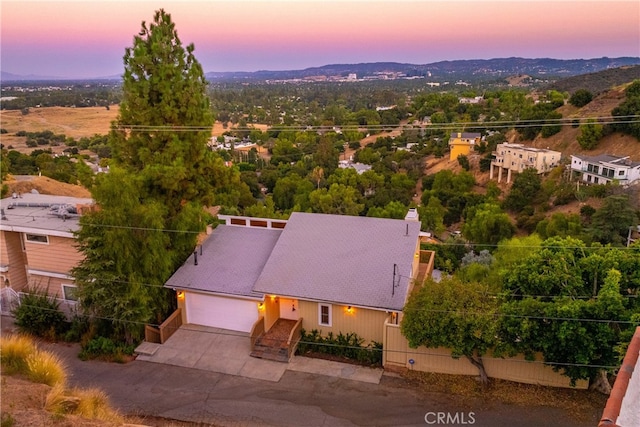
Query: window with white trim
x,y
36,238
324,314
70,292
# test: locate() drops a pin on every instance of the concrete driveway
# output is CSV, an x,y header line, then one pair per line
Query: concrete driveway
x,y
227,352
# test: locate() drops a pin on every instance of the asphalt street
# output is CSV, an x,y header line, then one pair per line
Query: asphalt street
x,y
298,399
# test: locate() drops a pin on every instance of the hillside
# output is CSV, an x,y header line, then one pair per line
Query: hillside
x,y
597,82
566,140
45,185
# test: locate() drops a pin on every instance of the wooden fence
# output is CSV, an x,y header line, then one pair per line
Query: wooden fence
x,y
294,338
162,333
397,353
256,331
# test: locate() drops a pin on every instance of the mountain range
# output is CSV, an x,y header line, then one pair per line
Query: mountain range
x,y
450,70
473,69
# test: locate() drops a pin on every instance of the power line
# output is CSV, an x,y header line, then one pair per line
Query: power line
x,y
524,123
407,352
467,313
443,243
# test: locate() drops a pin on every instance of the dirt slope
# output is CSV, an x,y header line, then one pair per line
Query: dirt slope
x,y
46,185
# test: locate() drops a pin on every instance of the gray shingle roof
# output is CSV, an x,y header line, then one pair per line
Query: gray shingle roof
x,y
342,259
607,158
231,261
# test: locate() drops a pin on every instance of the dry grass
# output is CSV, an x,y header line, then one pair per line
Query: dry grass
x,y
14,351
44,400
94,404
90,404
73,122
580,404
45,368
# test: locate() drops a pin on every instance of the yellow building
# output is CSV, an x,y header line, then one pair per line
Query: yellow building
x,y
462,143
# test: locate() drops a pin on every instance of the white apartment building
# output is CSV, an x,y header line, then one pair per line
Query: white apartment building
x,y
517,157
605,168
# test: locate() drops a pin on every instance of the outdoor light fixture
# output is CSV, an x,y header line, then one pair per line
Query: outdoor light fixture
x,y
349,309
261,306
180,295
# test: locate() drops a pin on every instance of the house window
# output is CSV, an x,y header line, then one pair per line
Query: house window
x,y
324,314
70,292
596,180
37,238
620,173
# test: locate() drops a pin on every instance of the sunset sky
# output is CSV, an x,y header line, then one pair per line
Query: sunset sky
x,y
88,38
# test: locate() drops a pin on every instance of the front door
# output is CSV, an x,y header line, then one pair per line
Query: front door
x,y
289,309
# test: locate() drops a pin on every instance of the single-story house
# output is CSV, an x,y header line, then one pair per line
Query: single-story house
x,y
337,273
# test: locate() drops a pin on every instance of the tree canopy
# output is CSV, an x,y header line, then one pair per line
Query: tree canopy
x,y
150,205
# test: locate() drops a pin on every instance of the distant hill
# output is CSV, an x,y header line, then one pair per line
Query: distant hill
x,y
10,77
598,82
471,69
545,68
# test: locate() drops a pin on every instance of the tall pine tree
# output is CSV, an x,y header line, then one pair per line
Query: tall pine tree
x,y
162,173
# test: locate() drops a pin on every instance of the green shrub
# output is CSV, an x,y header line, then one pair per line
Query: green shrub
x,y
347,345
587,211
105,348
599,191
39,314
78,327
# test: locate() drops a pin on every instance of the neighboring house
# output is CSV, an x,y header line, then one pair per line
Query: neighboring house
x,y
517,157
359,167
336,273
470,100
462,143
37,244
604,169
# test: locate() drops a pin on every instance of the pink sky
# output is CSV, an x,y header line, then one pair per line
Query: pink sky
x,y
88,38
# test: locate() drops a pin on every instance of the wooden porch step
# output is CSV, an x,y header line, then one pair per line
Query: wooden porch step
x,y
273,345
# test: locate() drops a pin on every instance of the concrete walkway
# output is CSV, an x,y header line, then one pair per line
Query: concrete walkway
x,y
227,352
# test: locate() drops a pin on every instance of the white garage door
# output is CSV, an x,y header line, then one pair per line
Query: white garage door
x,y
220,312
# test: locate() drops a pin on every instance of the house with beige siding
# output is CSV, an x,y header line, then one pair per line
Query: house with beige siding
x,y
332,273
518,157
37,244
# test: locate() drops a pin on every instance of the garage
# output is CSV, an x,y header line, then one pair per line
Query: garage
x,y
221,312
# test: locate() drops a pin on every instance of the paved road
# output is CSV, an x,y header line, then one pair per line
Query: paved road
x,y
298,399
